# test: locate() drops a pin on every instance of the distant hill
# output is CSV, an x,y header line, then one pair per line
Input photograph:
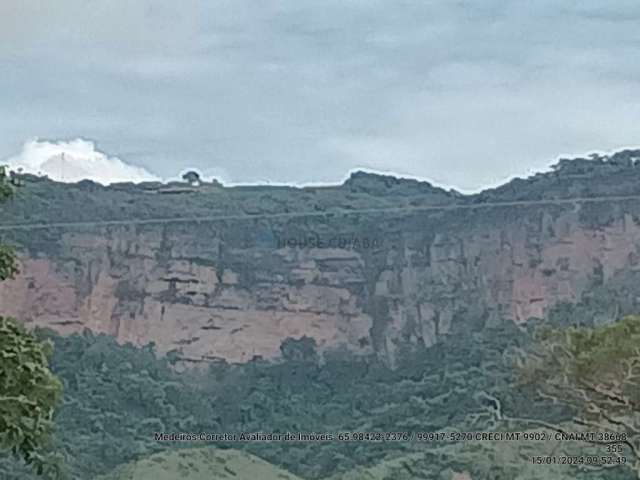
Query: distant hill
x,y
373,265
199,464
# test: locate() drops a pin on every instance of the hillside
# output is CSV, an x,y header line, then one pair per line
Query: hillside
x,y
199,464
448,462
371,266
485,461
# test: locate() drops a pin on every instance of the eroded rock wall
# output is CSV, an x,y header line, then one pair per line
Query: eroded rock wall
x,y
235,291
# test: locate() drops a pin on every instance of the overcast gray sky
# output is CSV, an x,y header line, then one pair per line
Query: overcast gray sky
x,y
464,94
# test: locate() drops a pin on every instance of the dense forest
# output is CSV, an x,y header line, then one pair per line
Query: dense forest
x,y
118,396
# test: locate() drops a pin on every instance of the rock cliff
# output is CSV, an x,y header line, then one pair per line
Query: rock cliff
x,y
373,264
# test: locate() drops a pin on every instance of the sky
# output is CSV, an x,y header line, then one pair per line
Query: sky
x,y
463,94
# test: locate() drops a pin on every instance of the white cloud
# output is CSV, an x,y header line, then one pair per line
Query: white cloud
x,y
73,161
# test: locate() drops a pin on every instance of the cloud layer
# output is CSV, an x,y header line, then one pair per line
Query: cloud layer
x,y
465,94
73,161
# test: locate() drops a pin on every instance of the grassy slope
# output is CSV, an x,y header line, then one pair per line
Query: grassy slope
x,y
199,464
476,460
505,460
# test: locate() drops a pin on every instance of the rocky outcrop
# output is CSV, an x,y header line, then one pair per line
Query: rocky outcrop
x,y
235,287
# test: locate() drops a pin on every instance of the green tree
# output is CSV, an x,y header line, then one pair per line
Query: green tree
x,y
29,392
8,266
595,373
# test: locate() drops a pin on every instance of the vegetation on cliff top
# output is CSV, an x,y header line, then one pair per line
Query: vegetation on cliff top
x,y
44,200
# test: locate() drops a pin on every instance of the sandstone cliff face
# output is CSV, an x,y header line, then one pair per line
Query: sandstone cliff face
x,y
232,289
